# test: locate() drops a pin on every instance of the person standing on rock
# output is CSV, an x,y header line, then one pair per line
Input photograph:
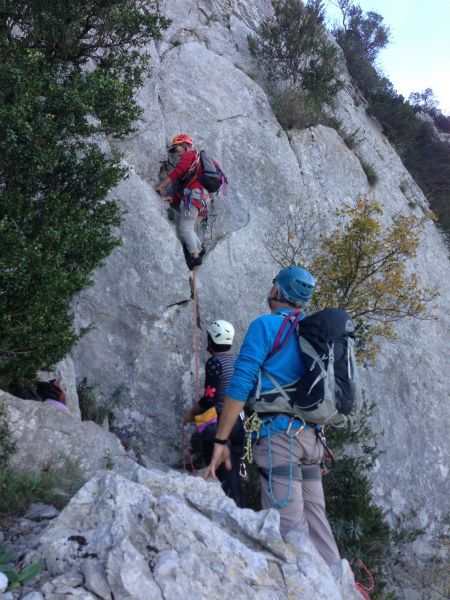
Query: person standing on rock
x,y
218,371
287,450
188,197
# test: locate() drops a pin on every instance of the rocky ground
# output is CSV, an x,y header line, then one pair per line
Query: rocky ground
x,y
155,534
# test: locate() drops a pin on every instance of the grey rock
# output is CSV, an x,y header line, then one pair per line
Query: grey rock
x,y
31,557
95,578
39,511
70,579
68,593
3,582
33,596
152,530
48,437
47,589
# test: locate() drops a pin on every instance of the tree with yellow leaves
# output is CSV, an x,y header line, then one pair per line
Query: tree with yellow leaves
x,y
362,266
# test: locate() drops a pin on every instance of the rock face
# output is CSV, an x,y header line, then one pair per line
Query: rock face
x,y
47,437
203,82
151,534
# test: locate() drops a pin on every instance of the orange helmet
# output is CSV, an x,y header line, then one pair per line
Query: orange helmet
x,y
181,138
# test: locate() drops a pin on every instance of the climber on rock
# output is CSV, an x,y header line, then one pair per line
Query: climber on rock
x,y
287,450
187,196
218,371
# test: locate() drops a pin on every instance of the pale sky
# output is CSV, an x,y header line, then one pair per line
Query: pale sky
x,y
418,55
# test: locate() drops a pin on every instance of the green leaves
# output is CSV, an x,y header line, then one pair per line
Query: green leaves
x,y
15,578
294,48
68,72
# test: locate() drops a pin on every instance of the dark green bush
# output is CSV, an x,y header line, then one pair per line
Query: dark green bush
x,y
369,170
425,155
294,49
294,109
96,410
56,221
358,524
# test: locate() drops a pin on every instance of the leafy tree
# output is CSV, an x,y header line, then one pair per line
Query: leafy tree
x,y
429,160
425,101
68,74
361,37
362,266
293,47
397,117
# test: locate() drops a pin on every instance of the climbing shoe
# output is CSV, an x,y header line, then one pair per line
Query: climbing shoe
x,y
194,262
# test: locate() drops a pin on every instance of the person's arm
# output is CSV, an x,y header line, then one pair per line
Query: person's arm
x,y
160,189
221,453
254,349
213,374
178,172
192,412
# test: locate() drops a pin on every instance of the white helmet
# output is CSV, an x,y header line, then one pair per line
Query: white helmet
x,y
221,332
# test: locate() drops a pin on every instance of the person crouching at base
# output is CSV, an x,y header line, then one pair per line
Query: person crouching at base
x,y
218,371
187,196
287,450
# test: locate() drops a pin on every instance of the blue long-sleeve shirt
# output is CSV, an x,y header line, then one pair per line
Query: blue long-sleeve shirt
x,y
285,366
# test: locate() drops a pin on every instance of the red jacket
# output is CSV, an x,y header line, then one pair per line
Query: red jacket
x,y
182,169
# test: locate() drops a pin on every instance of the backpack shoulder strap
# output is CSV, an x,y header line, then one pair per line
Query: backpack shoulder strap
x,y
291,318
193,170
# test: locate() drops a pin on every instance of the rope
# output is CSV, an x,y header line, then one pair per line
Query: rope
x,y
186,444
364,590
251,425
196,341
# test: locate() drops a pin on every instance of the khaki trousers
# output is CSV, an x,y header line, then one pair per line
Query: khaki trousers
x,y
305,510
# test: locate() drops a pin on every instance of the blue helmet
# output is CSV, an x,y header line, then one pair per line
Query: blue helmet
x,y
295,285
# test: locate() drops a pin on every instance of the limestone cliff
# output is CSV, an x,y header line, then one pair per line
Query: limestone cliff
x,y
203,82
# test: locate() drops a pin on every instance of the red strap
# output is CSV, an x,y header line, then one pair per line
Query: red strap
x,y
364,590
193,169
287,319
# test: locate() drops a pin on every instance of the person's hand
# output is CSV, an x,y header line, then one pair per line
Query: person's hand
x,y
221,454
168,199
188,417
159,190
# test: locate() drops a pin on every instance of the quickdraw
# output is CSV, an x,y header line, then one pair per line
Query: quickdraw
x,y
328,461
252,424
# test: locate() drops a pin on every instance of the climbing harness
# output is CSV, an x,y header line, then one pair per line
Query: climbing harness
x,y
328,462
364,590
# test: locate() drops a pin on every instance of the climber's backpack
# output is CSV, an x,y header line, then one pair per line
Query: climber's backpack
x,y
212,177
329,387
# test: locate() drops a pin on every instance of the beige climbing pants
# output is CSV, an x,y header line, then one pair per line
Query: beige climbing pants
x,y
186,221
305,510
